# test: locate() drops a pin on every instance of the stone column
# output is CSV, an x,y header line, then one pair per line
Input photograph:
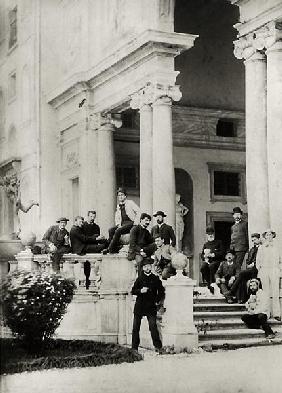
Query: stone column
x,y
141,100
274,125
106,189
163,164
256,152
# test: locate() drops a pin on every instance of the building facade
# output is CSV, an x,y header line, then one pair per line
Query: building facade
x,y
159,96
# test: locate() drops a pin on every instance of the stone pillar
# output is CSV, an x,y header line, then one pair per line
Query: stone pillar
x,y
179,329
256,151
26,260
163,164
274,126
141,100
106,189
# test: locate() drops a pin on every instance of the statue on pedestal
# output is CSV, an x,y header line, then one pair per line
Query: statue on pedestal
x,y
11,185
181,211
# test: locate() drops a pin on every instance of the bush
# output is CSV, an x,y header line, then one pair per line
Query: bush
x,y
34,304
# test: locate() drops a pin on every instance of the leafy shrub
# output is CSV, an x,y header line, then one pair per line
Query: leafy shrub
x,y
34,304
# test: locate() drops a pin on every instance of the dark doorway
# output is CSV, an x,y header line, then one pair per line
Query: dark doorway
x,y
223,232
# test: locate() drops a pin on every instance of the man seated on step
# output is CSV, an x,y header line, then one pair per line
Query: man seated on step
x,y
212,254
226,275
80,243
162,258
257,308
239,288
141,243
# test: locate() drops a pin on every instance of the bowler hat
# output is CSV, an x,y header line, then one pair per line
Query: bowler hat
x,y
237,210
146,261
159,213
62,219
209,231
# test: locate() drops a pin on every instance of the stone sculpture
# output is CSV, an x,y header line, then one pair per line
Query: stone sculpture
x,y
181,211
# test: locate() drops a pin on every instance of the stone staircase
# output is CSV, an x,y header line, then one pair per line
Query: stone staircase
x,y
220,326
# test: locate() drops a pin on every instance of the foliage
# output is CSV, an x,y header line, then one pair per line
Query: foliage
x,y
63,354
34,304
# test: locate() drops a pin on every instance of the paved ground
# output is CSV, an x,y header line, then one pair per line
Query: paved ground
x,y
251,370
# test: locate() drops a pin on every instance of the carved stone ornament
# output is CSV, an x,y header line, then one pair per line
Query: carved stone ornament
x,y
98,120
259,40
153,92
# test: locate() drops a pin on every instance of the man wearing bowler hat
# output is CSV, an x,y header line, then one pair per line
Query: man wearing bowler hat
x,y
56,241
163,230
239,236
150,292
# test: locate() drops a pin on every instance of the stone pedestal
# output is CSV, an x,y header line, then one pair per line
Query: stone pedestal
x,y
26,260
274,132
179,329
256,145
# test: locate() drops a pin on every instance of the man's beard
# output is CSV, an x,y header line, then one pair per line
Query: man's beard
x,y
159,221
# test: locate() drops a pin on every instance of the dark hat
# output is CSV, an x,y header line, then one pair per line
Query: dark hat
x,y
146,261
122,190
257,235
237,210
62,219
159,213
230,252
209,231
145,215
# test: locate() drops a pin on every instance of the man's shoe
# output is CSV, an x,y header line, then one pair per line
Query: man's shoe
x,y
270,336
159,351
211,289
278,319
105,251
230,301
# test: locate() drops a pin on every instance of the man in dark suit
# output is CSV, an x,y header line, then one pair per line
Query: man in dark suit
x,y
162,229
80,243
149,291
90,228
212,254
239,236
239,288
56,241
141,243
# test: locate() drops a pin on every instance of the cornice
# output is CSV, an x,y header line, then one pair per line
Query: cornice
x,y
134,50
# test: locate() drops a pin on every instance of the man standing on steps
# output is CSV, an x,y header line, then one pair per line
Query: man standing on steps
x,y
239,236
149,291
257,308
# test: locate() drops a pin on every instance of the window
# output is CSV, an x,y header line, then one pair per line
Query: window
x,y
226,128
227,182
127,177
13,27
12,85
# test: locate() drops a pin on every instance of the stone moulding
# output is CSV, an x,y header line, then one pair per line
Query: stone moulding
x,y
127,55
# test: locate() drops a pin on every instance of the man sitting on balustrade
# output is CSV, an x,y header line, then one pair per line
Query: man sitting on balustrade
x,y
80,243
141,243
162,229
126,214
162,258
56,242
90,228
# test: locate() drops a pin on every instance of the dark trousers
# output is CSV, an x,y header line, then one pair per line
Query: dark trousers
x,y
115,234
152,321
257,321
57,256
239,257
239,287
208,271
94,248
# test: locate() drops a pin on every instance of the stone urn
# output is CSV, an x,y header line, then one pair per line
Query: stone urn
x,y
179,261
28,240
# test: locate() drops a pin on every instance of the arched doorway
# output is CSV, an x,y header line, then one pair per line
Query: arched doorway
x,y
184,187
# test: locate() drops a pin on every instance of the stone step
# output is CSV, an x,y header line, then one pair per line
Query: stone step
x,y
210,299
212,315
239,343
233,334
232,323
214,307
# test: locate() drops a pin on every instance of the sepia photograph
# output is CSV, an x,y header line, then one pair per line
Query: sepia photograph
x,y
141,196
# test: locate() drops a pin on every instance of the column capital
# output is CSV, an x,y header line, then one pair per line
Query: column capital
x,y
258,41
99,120
153,92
